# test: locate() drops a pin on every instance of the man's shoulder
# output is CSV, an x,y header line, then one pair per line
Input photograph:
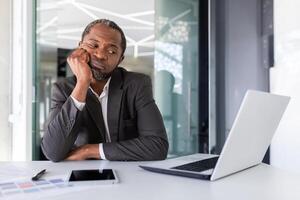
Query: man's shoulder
x,y
130,77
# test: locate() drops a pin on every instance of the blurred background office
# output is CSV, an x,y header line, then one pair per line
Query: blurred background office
x,y
202,56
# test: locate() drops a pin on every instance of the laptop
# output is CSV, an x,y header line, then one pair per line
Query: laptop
x,y
250,136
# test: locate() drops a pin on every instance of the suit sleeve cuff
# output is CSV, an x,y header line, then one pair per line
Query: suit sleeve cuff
x,y
79,105
101,152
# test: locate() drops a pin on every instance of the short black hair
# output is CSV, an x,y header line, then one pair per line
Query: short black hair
x,y
108,23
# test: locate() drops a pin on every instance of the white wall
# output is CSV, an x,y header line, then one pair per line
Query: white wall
x,y
5,136
285,79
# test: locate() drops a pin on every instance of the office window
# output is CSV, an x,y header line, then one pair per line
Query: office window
x,y
161,42
58,34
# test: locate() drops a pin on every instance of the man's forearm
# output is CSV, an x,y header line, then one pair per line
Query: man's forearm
x,y
61,128
137,149
85,152
93,151
80,91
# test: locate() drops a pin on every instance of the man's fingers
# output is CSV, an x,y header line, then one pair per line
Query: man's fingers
x,y
77,154
83,54
86,56
72,155
71,158
79,54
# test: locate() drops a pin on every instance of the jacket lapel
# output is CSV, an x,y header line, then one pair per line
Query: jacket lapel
x,y
114,103
94,107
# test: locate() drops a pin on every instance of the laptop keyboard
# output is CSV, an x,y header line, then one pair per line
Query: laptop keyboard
x,y
199,166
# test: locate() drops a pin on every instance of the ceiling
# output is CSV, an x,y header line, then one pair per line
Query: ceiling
x,y
61,22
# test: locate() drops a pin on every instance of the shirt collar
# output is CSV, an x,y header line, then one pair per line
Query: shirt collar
x,y
104,91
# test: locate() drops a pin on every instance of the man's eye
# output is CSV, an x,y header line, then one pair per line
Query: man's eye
x,y
93,46
111,52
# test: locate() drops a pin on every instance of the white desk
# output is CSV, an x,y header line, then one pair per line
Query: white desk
x,y
260,182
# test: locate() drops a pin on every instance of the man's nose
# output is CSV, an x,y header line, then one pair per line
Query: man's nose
x,y
100,53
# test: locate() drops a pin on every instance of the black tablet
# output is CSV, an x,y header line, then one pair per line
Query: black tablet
x,y
94,176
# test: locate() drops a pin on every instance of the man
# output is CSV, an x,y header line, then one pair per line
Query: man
x,y
103,111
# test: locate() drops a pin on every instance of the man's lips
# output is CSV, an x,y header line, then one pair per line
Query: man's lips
x,y
97,65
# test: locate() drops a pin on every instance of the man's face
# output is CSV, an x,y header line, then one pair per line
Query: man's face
x,y
104,46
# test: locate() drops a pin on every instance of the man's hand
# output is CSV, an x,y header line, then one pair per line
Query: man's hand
x,y
85,152
78,61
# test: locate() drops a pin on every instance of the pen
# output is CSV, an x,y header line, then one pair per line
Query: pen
x,y
38,175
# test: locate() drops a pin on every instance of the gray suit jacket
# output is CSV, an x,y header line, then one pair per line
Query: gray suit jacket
x,y
135,123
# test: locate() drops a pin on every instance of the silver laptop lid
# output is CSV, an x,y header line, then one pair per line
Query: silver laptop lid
x,y
252,131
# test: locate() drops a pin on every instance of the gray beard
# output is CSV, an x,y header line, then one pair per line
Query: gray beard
x,y
99,76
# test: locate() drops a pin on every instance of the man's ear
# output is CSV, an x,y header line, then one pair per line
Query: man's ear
x,y
121,59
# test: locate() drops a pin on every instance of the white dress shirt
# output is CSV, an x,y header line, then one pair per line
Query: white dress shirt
x,y
103,101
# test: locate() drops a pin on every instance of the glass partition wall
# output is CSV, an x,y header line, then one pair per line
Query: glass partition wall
x,y
176,70
163,42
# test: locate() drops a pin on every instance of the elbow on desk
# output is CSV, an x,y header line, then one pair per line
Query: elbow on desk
x,y
165,151
51,153
162,150
157,149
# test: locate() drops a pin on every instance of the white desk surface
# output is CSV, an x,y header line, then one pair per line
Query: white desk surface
x,y
261,182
